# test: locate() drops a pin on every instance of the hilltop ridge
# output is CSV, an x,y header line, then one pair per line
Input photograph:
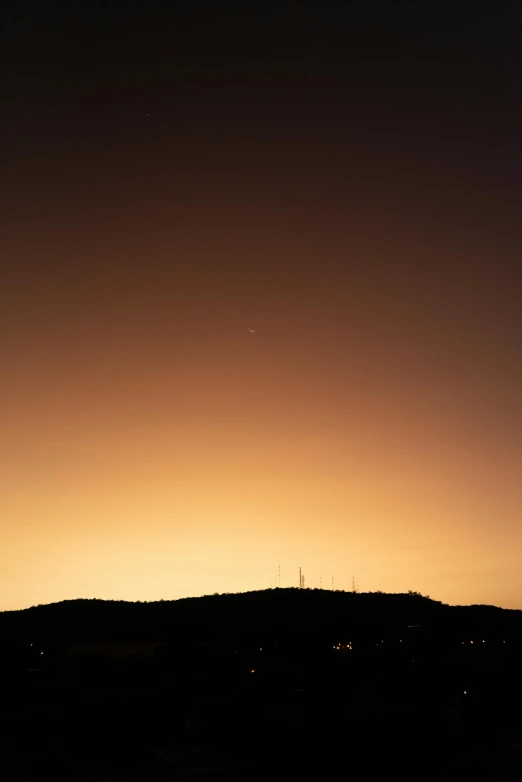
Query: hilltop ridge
x,y
282,609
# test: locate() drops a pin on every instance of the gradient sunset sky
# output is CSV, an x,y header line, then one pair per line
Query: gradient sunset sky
x,y
344,181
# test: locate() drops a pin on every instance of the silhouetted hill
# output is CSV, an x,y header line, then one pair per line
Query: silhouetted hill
x,y
277,683
278,611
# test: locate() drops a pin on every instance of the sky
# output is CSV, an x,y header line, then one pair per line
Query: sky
x,y
260,299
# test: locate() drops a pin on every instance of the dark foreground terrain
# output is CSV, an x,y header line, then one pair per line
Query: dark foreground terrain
x,y
272,685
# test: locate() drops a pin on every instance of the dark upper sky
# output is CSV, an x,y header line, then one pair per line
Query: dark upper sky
x,y
342,177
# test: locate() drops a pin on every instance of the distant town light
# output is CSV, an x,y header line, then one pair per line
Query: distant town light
x,y
253,670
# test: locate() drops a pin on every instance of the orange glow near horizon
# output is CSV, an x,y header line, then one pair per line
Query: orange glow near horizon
x,y
157,466
250,329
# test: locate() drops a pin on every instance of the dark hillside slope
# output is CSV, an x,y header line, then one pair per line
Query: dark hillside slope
x,y
269,611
